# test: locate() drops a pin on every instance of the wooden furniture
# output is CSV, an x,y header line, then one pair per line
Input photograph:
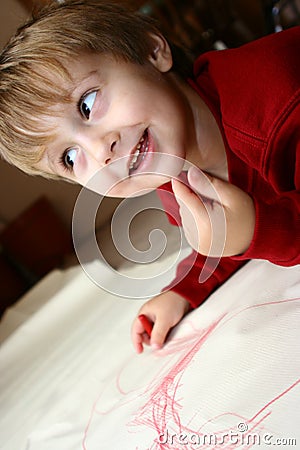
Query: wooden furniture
x,y
31,246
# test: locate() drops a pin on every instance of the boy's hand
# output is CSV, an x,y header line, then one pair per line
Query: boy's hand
x,y
228,208
165,311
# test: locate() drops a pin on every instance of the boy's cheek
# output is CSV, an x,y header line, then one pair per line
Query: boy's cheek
x,y
101,105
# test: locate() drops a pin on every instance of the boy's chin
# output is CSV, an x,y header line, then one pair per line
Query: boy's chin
x,y
133,186
114,179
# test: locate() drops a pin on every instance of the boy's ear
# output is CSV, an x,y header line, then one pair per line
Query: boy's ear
x,y
161,55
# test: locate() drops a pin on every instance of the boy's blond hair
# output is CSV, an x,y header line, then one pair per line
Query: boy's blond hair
x,y
33,67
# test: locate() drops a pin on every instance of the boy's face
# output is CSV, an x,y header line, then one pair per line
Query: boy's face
x,y
126,129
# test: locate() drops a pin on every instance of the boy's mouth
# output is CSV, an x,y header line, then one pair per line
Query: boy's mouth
x,y
138,153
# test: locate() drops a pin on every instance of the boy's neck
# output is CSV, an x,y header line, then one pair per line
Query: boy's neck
x,y
209,152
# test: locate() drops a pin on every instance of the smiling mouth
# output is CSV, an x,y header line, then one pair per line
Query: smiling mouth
x,y
139,153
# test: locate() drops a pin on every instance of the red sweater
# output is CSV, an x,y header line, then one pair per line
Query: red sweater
x,y
254,94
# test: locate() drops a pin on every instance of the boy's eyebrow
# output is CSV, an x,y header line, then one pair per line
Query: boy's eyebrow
x,y
83,79
50,161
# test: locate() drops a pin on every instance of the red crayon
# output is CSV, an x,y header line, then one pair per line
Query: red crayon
x,y
146,323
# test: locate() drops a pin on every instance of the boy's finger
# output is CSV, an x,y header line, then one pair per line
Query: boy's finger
x,y
206,185
186,197
138,347
158,335
146,323
138,343
137,337
213,188
140,333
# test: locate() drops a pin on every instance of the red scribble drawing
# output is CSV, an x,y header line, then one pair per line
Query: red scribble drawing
x,y
162,407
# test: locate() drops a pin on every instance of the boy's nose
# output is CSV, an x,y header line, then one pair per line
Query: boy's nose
x,y
102,148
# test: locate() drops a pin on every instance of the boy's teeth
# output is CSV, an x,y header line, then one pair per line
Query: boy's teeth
x,y
137,152
135,157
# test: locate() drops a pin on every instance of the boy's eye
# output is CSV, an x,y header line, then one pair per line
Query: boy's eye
x,y
69,158
86,104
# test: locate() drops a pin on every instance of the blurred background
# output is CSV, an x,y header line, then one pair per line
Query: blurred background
x,y
36,214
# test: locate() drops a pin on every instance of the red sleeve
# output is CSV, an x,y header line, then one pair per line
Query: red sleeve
x,y
254,92
188,283
195,268
277,229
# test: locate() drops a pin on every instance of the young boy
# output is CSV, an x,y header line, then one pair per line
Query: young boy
x,y
89,88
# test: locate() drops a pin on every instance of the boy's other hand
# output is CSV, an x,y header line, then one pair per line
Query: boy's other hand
x,y
164,311
223,217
